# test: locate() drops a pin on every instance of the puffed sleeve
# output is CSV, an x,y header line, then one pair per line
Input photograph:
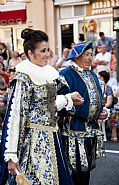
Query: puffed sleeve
x,y
13,125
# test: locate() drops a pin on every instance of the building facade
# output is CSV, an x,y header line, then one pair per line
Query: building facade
x,y
62,20
75,15
12,21
37,15
41,15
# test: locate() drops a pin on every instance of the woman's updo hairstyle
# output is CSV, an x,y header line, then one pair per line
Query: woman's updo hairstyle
x,y
32,38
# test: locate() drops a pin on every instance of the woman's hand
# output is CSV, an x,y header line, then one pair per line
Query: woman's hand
x,y
12,167
103,115
77,98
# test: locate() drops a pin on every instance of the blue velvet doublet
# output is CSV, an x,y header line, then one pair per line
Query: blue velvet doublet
x,y
80,128
76,83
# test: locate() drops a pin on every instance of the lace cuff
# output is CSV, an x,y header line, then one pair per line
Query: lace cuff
x,y
69,104
64,101
11,156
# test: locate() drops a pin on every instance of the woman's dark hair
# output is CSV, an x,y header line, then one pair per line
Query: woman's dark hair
x,y
32,38
12,70
105,75
3,66
81,37
3,44
21,54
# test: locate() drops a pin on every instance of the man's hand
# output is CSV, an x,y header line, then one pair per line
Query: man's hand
x,y
77,98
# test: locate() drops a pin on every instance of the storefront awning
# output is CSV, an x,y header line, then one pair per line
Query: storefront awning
x,y
70,2
12,17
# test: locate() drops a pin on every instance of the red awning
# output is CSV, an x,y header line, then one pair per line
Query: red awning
x,y
13,17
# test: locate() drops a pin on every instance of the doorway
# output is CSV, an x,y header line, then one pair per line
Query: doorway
x,y
67,35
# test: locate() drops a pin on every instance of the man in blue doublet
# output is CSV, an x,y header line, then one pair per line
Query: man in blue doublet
x,y
81,134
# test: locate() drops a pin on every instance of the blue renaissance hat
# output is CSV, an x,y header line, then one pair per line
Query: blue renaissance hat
x,y
79,49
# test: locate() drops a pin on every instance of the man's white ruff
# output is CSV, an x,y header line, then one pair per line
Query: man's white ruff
x,y
38,75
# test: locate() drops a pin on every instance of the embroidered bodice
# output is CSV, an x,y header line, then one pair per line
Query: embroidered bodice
x,y
39,103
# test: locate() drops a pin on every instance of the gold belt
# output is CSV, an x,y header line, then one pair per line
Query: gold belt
x,y
42,127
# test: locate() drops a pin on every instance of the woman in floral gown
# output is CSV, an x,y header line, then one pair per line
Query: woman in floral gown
x,y
31,140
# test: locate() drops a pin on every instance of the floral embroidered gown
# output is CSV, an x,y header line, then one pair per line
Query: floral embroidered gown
x,y
33,138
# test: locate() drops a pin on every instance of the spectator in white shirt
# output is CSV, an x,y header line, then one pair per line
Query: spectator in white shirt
x,y
62,63
14,60
102,60
52,58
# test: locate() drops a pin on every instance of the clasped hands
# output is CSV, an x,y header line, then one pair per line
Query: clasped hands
x,y
77,98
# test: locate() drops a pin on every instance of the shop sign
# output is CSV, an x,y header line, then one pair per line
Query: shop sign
x,y
104,7
70,2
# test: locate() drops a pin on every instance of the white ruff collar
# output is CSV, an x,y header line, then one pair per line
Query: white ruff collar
x,y
39,75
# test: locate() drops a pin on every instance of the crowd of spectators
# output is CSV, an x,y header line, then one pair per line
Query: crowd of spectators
x,y
7,73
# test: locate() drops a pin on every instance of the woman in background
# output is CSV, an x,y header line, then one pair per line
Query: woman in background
x,y
5,54
108,96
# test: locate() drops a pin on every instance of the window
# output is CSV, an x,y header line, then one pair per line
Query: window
x,y
11,21
67,35
79,10
65,12
3,22
19,21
